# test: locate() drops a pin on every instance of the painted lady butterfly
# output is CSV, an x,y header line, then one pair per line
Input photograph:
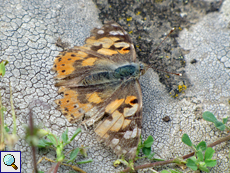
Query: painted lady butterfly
x,y
100,85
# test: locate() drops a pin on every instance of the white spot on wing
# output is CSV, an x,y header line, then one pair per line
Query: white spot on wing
x,y
124,151
121,44
97,44
114,24
128,134
100,31
116,33
91,112
118,148
134,134
130,111
120,32
76,106
115,141
139,131
133,150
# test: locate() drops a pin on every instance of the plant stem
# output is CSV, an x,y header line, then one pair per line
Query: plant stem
x,y
72,166
1,121
33,149
12,111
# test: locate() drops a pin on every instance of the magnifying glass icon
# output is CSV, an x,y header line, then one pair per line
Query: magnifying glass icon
x,y
9,160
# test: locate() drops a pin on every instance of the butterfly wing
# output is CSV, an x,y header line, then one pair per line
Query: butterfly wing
x,y
121,126
116,103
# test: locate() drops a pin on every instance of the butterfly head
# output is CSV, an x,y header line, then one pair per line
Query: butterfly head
x,y
143,68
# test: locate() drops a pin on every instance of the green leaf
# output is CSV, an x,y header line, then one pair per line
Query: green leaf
x,y
73,155
225,120
220,125
83,151
85,161
202,145
209,153
200,155
148,142
40,172
208,116
165,171
146,151
41,144
210,162
41,133
191,164
64,136
2,69
6,128
175,171
44,143
203,168
186,140
150,156
52,139
75,133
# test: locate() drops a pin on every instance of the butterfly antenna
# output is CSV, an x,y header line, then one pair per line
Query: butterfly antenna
x,y
178,74
162,42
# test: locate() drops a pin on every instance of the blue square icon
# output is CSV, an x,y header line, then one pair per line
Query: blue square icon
x,y
10,161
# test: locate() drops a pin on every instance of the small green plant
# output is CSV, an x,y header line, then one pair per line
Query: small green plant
x,y
58,143
146,148
171,171
208,116
7,139
202,157
3,63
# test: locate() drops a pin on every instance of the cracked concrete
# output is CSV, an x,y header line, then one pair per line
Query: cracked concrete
x,y
28,34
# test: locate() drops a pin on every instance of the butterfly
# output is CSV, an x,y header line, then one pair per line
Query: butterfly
x,y
100,86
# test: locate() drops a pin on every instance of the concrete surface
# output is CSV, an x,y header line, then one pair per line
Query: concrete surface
x,y
28,34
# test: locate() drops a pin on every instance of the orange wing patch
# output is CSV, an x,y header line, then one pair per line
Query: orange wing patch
x,y
70,105
106,42
108,45
94,98
107,51
110,108
131,100
63,64
89,62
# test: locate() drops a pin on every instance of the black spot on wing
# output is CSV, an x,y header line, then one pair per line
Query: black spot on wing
x,y
134,101
123,106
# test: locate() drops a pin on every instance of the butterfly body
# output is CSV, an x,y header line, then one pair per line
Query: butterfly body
x,y
100,85
122,73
